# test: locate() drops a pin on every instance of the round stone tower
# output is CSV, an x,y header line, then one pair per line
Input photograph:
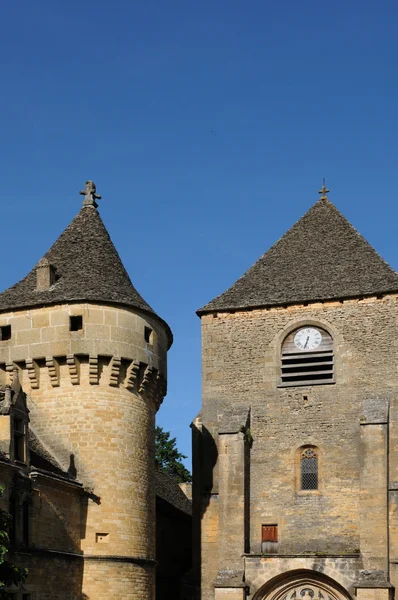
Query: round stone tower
x,y
91,356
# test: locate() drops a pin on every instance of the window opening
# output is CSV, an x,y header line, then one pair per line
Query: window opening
x,y
148,335
19,440
76,323
5,332
25,524
309,469
307,357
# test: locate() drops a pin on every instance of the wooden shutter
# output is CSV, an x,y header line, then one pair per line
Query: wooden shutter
x,y
269,533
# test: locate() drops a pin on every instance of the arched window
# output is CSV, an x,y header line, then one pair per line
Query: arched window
x,y
309,468
307,357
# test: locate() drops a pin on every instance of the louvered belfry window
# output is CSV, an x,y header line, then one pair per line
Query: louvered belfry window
x,y
309,469
307,357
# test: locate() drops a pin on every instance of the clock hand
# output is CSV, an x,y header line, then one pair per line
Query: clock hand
x,y
306,342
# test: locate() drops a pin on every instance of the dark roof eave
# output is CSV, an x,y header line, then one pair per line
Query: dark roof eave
x,y
151,314
208,311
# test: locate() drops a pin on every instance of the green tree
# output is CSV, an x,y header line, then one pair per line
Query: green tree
x,y
168,459
9,573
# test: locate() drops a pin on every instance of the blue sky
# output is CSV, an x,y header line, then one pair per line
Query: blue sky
x,y
208,127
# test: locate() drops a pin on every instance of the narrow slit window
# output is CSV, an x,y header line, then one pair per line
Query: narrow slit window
x,y
309,469
148,335
5,333
76,323
25,524
19,440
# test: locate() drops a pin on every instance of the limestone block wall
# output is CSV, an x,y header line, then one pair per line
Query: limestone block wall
x,y
241,367
55,515
93,394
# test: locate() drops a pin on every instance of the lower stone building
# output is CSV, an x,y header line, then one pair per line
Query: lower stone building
x,y
173,539
296,447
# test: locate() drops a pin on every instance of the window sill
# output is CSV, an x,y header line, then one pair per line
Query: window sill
x,y
306,383
308,493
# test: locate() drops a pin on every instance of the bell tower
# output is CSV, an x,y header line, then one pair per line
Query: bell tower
x,y
296,462
91,356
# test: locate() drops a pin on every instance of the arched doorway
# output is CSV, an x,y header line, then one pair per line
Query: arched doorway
x,y
302,585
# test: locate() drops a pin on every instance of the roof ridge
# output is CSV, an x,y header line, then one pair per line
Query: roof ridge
x,y
85,267
322,256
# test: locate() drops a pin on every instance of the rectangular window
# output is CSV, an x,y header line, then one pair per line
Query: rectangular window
x,y
269,539
19,440
148,335
5,332
76,323
25,524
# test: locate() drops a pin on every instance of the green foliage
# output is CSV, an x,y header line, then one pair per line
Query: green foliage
x,y
168,459
9,573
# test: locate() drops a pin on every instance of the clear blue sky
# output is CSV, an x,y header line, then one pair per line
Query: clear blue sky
x,y
207,126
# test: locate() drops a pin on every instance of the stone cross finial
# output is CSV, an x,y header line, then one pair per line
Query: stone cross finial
x,y
323,191
90,194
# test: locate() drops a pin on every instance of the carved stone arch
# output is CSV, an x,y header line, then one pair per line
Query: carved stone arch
x,y
302,585
302,321
301,365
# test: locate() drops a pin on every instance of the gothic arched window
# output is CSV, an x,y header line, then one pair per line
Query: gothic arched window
x,y
309,468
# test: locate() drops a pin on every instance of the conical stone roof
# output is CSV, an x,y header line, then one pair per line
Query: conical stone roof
x,y
322,257
87,268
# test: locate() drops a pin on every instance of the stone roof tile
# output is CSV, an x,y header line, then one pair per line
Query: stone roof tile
x,y
87,268
322,257
168,489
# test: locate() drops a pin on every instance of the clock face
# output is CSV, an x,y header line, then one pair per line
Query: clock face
x,y
307,338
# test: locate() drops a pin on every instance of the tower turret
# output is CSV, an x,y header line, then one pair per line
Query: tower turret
x,y
91,356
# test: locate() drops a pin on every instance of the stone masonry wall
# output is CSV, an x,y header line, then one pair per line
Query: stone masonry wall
x,y
241,367
93,395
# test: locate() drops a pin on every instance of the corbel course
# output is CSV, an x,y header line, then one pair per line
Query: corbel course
x,y
74,368
115,371
33,373
53,371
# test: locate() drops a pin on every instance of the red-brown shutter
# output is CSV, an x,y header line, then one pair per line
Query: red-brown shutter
x,y
269,533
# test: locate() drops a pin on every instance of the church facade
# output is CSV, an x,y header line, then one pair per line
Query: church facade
x,y
82,373
296,446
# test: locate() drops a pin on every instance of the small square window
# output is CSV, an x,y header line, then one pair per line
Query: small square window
x,y
148,335
5,332
76,323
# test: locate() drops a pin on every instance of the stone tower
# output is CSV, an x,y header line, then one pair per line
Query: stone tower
x,y
296,445
91,357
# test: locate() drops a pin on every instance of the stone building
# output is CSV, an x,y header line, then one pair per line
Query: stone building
x,y
82,374
296,445
173,539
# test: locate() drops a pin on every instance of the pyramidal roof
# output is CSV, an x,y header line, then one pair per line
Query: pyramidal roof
x,y
322,257
87,268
